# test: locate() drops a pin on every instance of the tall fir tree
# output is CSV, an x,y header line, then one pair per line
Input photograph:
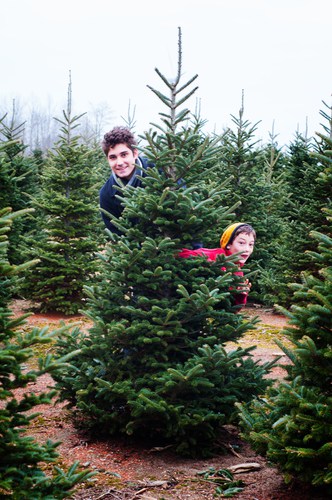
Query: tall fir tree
x,y
292,423
302,213
71,227
22,458
269,218
155,362
257,185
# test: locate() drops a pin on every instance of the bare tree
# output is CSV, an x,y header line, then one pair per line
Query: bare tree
x,y
41,130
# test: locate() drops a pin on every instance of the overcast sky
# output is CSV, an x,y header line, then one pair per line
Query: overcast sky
x,y
277,51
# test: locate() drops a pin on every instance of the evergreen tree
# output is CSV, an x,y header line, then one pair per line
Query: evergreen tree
x,y
323,156
7,281
155,362
18,180
292,424
301,214
71,226
21,457
258,187
270,220
238,160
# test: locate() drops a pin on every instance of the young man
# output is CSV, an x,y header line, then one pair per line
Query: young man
x,y
238,238
119,146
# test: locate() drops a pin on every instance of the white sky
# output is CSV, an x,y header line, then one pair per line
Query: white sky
x,y
277,51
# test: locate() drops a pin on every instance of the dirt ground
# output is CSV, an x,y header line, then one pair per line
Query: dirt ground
x,y
130,470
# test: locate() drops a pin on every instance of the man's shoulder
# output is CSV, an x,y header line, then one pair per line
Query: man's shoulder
x,y
146,163
108,188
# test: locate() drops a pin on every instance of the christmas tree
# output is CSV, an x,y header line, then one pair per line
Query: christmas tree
x,y
18,180
23,459
292,423
301,212
69,235
155,363
257,183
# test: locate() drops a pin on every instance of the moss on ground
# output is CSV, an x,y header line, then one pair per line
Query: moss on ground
x,y
263,336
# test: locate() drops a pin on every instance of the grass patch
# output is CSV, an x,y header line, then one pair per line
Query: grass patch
x,y
263,336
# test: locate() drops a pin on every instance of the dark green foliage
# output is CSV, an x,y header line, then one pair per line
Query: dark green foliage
x,y
324,156
264,207
257,186
70,225
155,362
281,197
292,424
301,210
302,214
237,160
18,180
8,278
21,457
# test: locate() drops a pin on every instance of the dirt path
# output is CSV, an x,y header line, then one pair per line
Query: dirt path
x,y
127,470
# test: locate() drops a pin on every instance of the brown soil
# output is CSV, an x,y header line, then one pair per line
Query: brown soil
x,y
128,470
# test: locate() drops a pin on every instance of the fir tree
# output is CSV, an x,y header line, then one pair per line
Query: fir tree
x,y
155,361
21,457
8,188
301,213
71,226
258,187
292,424
238,159
323,156
18,180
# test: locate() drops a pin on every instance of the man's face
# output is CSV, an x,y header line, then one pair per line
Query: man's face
x,y
243,243
121,159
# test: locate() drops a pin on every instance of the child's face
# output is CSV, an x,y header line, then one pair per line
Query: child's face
x,y
244,244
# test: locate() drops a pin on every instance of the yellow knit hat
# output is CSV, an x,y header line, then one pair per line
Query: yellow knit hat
x,y
226,237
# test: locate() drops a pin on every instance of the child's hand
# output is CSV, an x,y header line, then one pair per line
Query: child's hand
x,y
245,288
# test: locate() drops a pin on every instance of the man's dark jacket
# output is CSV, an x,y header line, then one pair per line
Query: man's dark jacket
x,y
112,204
108,194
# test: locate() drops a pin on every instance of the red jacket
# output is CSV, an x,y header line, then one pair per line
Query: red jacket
x,y
212,254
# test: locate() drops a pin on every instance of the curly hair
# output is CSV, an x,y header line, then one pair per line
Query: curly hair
x,y
118,135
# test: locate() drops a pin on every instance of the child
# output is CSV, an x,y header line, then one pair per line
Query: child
x,y
238,238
